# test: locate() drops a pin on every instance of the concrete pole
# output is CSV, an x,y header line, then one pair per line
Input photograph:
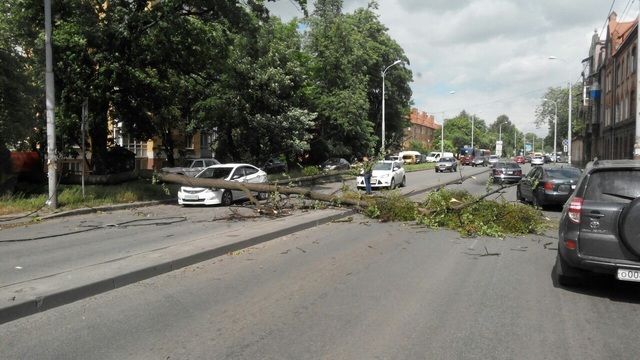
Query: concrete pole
x,y
50,109
636,147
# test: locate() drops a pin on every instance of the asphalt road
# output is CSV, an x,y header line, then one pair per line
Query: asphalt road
x,y
348,290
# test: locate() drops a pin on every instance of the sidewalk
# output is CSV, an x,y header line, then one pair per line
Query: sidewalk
x,y
46,292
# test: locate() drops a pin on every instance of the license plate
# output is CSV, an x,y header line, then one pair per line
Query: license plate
x,y
509,172
191,197
629,275
573,187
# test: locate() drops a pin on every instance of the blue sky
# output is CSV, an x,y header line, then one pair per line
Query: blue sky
x,y
493,53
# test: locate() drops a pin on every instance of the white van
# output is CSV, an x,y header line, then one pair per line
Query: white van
x,y
434,156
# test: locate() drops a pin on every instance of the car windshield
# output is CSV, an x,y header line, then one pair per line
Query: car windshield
x,y
446,160
563,173
382,166
332,162
493,157
215,173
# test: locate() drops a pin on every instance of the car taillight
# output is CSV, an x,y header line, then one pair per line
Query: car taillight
x,y
548,186
518,172
575,208
497,172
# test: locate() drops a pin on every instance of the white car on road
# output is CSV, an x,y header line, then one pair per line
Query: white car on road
x,y
211,196
385,174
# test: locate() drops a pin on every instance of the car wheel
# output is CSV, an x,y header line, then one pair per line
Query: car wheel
x,y
630,227
519,194
404,181
455,169
567,275
436,169
393,184
227,198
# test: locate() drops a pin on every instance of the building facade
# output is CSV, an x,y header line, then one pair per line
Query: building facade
x,y
422,130
610,79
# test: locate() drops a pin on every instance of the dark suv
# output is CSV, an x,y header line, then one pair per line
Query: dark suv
x,y
600,223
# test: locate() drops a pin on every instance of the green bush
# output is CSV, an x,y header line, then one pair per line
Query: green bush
x,y
310,171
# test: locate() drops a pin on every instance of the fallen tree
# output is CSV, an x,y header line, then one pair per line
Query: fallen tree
x,y
250,188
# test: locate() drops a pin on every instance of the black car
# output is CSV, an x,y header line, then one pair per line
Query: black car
x,y
548,184
271,165
599,228
506,171
480,161
336,164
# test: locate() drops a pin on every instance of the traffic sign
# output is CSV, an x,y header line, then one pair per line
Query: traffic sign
x,y
565,142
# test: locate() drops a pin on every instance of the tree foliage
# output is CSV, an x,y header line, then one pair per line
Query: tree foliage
x,y
157,69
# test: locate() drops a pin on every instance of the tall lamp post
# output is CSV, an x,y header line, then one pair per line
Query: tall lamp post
x,y
555,130
384,72
570,103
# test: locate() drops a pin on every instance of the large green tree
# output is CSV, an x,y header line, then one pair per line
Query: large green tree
x,y
349,54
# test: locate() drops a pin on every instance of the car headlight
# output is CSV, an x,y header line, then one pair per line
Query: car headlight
x,y
384,176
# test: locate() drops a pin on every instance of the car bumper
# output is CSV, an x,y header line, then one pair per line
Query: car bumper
x,y
507,178
207,197
375,182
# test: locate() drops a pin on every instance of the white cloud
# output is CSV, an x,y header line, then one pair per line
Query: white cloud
x,y
492,53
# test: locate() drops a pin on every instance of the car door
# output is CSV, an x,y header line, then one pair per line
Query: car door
x,y
238,175
528,183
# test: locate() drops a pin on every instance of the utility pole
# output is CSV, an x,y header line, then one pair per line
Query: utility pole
x,y
636,147
51,104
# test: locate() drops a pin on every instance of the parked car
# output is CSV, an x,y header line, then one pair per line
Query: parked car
x,y
191,167
448,163
271,165
537,160
527,158
188,195
548,184
493,159
506,171
519,159
335,164
385,174
480,161
599,225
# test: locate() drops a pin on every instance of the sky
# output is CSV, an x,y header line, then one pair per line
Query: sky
x,y
492,54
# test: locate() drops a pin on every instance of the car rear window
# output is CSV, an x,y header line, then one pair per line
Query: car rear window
x,y
512,166
563,173
618,185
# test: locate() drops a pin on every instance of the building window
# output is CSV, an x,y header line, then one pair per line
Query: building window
x,y
632,61
618,75
137,147
188,142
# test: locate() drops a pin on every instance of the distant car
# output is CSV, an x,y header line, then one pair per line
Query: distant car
x,y
493,159
271,165
188,195
519,159
599,225
480,161
336,164
385,174
537,160
506,171
548,184
191,167
527,158
447,164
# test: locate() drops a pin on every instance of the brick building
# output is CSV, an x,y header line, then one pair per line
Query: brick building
x,y
422,130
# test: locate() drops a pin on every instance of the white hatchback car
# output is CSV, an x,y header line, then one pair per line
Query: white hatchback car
x,y
385,174
211,196
537,160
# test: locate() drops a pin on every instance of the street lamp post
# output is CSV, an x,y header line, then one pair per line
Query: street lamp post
x,y
570,103
384,72
500,132
555,130
442,131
